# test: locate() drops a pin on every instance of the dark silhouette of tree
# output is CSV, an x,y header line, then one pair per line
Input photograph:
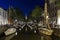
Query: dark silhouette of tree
x,y
11,13
19,13
15,13
36,12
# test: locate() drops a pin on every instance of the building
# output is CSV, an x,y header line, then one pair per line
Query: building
x,y
3,17
52,10
58,12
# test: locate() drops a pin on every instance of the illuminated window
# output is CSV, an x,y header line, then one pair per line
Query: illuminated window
x,y
58,22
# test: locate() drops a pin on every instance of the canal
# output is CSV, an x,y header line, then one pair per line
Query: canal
x,y
28,36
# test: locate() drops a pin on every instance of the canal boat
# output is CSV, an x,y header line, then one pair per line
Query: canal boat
x,y
10,31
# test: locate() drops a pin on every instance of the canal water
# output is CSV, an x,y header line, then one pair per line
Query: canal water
x,y
28,36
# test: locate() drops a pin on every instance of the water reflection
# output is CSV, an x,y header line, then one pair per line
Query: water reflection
x,y
9,37
30,36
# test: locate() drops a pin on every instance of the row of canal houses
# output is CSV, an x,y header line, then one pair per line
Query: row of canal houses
x,y
53,9
4,16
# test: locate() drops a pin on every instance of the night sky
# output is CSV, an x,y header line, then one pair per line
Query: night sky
x,y
25,5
